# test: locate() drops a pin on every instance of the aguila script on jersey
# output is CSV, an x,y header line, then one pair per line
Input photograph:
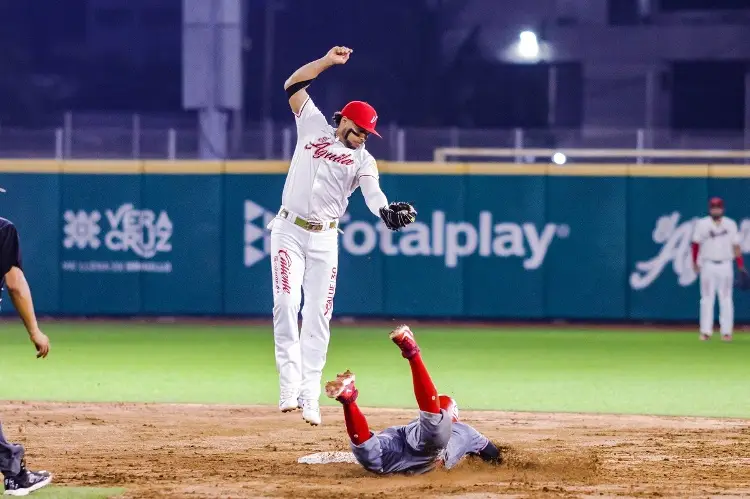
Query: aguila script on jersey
x,y
321,147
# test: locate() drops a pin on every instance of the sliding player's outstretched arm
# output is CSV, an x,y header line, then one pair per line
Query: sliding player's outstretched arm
x,y
490,453
475,443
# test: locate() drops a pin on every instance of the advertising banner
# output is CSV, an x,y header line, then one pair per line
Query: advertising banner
x,y
505,246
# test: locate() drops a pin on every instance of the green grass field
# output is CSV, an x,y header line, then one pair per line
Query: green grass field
x,y
77,493
665,373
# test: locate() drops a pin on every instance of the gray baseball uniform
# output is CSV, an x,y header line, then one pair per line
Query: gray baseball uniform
x,y
419,446
10,456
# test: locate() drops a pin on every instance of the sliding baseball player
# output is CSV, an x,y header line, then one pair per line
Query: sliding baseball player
x,y
328,165
716,242
437,438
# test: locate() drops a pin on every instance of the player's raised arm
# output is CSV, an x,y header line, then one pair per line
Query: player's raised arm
x,y
296,84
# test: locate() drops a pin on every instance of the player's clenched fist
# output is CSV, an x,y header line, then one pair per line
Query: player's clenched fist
x,y
339,55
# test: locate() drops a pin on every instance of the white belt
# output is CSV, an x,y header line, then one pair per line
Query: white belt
x,y
309,225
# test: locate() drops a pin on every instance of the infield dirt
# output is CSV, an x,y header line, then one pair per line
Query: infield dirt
x,y
195,451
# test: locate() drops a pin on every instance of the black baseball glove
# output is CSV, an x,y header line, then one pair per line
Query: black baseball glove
x,y
742,281
398,215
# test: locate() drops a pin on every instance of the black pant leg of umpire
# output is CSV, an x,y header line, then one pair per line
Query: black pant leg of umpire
x,y
10,456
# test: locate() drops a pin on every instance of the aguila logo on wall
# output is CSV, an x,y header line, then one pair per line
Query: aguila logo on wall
x,y
675,237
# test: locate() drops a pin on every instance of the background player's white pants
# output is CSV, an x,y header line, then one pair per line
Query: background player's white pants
x,y
716,279
302,261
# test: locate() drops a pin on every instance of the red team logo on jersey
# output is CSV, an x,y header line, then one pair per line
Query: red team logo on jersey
x,y
331,292
321,152
282,264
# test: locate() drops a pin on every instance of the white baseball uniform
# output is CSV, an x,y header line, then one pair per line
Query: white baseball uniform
x,y
715,259
304,246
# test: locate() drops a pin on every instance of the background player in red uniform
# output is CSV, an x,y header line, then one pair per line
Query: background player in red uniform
x,y
715,243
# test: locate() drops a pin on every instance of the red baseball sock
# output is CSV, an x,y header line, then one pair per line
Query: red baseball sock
x,y
424,388
356,424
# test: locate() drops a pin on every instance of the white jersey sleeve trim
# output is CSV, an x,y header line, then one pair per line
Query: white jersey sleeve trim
x,y
302,108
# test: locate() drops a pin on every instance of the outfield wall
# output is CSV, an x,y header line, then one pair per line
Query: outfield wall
x,y
492,241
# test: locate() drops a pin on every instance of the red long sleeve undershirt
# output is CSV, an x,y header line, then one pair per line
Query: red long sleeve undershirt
x,y
695,247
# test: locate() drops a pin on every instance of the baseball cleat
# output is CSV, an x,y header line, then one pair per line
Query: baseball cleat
x,y
342,388
289,401
288,405
404,338
726,337
311,411
705,337
26,482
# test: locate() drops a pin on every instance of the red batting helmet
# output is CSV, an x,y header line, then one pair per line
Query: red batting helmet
x,y
449,405
362,114
716,202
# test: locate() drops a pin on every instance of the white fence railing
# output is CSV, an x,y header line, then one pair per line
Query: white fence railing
x,y
564,156
276,141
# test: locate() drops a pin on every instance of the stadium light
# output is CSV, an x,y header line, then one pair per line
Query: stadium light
x,y
559,158
527,48
528,45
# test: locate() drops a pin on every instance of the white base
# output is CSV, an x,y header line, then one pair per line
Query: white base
x,y
328,458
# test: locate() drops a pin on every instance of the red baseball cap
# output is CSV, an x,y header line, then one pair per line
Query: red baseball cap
x,y
362,114
716,202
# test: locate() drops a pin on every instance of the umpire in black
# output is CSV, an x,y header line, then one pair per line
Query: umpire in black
x,y
19,481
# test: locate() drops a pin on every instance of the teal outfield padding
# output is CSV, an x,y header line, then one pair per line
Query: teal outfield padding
x,y
484,246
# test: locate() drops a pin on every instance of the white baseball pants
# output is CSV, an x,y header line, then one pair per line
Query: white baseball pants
x,y
716,279
302,262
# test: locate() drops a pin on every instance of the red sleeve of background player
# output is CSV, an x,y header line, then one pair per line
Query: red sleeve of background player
x,y
695,247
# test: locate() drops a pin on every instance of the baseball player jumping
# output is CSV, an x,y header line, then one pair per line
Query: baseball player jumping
x,y
18,480
716,242
328,165
436,438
